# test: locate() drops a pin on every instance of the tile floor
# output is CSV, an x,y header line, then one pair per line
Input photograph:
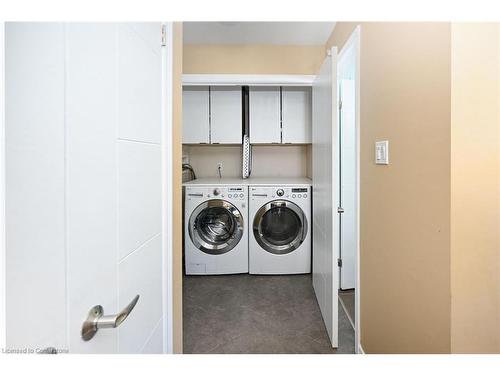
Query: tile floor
x,y
257,314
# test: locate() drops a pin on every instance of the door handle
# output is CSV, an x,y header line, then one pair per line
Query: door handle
x,y
96,319
278,204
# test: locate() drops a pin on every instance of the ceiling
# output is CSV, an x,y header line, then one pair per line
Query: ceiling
x,y
257,32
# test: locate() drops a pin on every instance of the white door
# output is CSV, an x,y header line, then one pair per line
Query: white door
x,y
347,174
195,114
296,114
83,220
226,115
265,115
325,245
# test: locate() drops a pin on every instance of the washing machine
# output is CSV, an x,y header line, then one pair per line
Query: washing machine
x,y
280,238
215,230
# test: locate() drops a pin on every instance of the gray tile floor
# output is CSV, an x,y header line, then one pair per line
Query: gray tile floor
x,y
257,314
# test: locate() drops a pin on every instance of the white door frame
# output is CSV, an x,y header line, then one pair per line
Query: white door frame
x,y
167,186
354,42
167,189
3,326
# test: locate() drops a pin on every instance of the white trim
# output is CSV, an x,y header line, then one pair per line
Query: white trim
x,y
247,79
360,350
167,187
3,264
354,41
333,53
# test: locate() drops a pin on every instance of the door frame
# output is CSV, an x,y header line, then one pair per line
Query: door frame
x,y
3,290
354,42
167,185
166,182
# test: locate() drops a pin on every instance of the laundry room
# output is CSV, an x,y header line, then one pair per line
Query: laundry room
x,y
260,274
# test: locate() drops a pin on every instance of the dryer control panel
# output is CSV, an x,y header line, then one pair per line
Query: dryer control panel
x,y
286,192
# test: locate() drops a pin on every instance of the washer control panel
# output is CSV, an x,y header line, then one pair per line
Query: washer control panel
x,y
236,193
219,192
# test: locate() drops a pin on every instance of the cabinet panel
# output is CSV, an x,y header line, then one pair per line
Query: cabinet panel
x,y
195,114
265,126
296,114
226,114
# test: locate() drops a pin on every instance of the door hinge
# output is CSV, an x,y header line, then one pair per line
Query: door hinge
x,y
339,262
163,35
340,105
340,210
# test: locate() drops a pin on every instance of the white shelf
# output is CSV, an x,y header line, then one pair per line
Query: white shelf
x,y
258,181
247,80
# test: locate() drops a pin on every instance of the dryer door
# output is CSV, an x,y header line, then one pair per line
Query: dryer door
x,y
216,226
280,227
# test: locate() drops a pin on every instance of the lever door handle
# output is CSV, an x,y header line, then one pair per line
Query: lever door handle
x,y
96,319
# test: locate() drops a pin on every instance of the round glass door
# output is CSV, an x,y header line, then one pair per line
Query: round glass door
x,y
280,227
216,226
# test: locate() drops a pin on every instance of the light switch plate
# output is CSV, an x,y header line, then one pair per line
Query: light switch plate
x,y
382,152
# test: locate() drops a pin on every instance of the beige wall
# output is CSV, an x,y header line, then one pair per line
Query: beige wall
x,y
177,182
252,59
268,161
405,206
475,190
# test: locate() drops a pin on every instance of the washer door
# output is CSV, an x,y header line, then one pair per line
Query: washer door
x,y
216,226
280,227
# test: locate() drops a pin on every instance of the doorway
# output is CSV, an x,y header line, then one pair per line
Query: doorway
x,y
250,313
348,180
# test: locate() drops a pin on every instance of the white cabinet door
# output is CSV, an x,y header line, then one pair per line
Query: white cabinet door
x,y
265,115
296,114
325,216
195,114
225,115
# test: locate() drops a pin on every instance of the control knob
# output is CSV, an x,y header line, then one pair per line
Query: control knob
x,y
280,192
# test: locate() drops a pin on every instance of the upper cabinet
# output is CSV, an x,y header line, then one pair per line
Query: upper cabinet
x,y
280,115
226,114
195,114
264,115
277,115
211,115
296,114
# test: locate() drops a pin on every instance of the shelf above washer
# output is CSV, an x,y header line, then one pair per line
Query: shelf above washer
x,y
247,80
